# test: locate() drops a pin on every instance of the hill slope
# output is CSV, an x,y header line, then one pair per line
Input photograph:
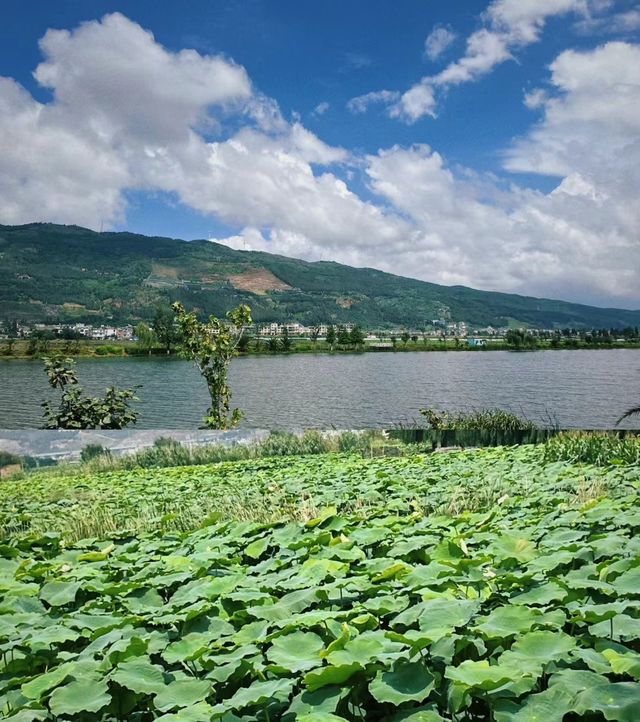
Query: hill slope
x,y
68,273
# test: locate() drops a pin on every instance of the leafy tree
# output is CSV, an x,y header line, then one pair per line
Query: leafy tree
x,y
314,333
77,411
212,345
11,328
244,342
519,339
405,337
273,344
165,329
414,338
344,339
331,336
285,340
356,336
146,337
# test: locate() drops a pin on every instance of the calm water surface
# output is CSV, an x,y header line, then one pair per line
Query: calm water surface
x,y
587,389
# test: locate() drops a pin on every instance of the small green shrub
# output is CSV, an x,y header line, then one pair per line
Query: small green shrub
x,y
107,350
7,459
92,451
77,411
476,420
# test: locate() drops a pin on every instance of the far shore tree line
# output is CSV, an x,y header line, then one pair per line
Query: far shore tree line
x,y
163,335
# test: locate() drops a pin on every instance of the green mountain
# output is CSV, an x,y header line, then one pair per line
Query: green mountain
x,y
67,273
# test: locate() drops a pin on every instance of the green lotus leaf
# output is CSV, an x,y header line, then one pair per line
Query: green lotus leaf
x,y
627,663
50,636
392,571
324,699
259,693
406,682
81,695
441,616
296,652
257,548
508,621
618,701
481,674
544,646
181,693
198,712
420,715
621,627
325,514
510,547
319,717
187,648
628,583
573,681
541,594
367,646
549,706
330,675
41,684
58,594
140,676
28,715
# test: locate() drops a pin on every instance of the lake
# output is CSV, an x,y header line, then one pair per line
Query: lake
x,y
575,389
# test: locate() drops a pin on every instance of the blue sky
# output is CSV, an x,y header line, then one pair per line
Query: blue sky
x,y
498,150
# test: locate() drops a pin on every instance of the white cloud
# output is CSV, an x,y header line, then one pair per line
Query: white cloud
x,y
115,124
618,23
111,73
416,102
361,103
321,108
438,40
591,123
508,26
535,98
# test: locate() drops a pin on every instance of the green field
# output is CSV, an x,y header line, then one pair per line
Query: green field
x,y
482,585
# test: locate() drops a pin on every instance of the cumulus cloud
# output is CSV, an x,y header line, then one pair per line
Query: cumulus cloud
x,y
508,26
591,122
114,124
438,40
416,102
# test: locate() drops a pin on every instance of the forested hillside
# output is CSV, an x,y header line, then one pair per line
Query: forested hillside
x,y
68,273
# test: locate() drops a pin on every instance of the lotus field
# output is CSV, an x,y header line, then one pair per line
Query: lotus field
x,y
481,585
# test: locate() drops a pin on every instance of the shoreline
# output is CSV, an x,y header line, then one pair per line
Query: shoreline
x,y
97,350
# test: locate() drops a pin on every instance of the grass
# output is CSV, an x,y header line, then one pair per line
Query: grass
x,y
593,448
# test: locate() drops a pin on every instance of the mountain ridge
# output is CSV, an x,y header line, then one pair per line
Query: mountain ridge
x,y
51,272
